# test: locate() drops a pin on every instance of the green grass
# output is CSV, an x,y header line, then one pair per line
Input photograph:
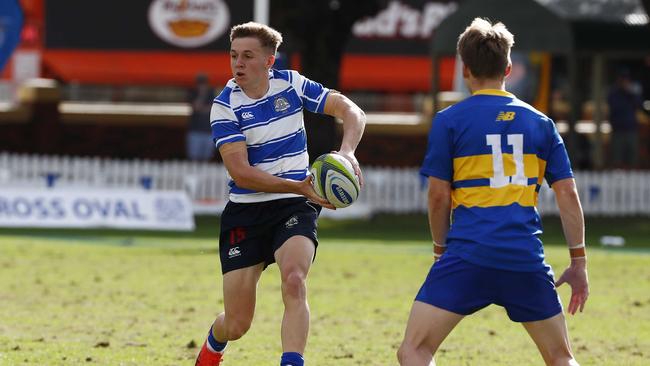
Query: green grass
x,y
135,298
389,228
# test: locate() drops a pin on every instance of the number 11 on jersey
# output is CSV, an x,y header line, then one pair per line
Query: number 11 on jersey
x,y
499,179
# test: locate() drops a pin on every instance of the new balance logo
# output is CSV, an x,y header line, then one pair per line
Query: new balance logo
x,y
247,115
505,116
234,252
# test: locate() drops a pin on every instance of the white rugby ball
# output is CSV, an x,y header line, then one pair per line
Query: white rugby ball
x,y
334,180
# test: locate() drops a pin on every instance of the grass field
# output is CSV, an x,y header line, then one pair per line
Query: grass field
x,y
72,297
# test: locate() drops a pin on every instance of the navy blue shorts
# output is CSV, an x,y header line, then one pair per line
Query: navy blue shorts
x,y
252,232
464,288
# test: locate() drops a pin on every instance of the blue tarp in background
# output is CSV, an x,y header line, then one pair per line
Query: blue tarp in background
x,y
11,23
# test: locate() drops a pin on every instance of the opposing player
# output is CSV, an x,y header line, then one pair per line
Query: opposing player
x,y
486,160
257,125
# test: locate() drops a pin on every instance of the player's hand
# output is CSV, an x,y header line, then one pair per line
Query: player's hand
x,y
306,188
355,164
576,277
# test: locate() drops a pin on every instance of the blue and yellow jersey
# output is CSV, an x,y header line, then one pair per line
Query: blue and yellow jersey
x,y
495,150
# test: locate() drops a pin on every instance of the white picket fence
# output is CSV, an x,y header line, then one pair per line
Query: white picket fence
x,y
392,190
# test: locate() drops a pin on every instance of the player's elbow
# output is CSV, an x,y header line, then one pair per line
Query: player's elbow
x,y
348,111
241,178
361,116
566,191
439,198
239,182
571,195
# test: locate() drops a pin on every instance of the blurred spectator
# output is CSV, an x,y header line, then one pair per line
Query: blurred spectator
x,y
624,101
199,144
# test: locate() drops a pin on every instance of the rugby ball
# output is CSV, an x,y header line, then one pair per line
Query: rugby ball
x,y
334,180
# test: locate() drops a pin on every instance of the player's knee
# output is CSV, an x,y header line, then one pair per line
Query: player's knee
x,y
409,354
236,328
406,353
293,284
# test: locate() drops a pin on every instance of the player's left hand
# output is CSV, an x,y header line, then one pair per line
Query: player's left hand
x,y
576,277
306,188
355,164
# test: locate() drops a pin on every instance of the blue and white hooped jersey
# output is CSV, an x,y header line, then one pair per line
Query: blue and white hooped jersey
x,y
272,127
495,150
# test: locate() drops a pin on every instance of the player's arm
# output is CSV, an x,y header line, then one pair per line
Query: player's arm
x,y
573,225
354,122
439,199
235,158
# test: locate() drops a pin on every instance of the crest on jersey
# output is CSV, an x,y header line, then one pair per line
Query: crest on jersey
x,y
281,104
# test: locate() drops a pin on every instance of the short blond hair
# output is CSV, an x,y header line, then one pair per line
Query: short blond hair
x,y
269,38
485,48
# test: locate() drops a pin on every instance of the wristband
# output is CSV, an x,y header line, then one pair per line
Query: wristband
x,y
438,250
577,251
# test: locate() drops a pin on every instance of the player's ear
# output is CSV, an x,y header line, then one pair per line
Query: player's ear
x,y
508,69
270,60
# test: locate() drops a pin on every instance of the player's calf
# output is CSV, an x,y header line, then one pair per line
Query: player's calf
x,y
235,328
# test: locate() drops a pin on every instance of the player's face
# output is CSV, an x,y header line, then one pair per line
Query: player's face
x,y
249,62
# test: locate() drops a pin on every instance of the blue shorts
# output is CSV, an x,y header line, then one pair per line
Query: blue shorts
x,y
464,288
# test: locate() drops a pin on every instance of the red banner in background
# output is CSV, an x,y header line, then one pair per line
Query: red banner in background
x,y
167,42
390,50
393,73
136,68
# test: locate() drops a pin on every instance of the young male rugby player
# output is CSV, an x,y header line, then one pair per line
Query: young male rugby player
x,y
257,125
486,159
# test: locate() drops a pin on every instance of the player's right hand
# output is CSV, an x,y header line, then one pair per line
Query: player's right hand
x,y
355,165
576,277
307,190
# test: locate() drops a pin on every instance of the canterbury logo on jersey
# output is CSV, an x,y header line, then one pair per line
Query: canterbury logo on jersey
x,y
247,115
505,116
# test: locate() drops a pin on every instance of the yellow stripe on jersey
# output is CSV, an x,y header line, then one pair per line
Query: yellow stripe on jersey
x,y
480,166
497,92
525,196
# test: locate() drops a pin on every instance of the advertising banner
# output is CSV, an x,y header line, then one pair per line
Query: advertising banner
x,y
162,25
168,42
95,208
401,28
